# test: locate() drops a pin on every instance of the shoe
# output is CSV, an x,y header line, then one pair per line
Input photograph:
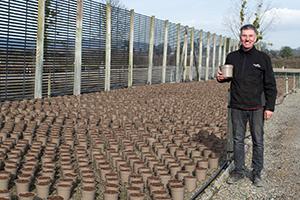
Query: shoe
x,y
257,181
235,177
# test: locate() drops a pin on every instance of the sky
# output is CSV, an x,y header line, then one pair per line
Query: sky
x,y
210,15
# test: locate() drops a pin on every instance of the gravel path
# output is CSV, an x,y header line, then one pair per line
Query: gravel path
x,y
282,158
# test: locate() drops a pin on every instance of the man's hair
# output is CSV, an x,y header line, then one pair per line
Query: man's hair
x,y
248,27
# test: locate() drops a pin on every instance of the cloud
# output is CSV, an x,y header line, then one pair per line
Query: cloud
x,y
284,18
285,27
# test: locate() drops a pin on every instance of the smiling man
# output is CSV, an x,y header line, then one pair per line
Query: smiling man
x,y
252,100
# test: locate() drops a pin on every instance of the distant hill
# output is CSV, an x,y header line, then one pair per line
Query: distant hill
x,y
296,52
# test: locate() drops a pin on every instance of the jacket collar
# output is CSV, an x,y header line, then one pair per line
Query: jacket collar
x,y
251,51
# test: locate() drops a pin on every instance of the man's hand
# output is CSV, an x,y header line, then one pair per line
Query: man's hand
x,y
268,114
220,76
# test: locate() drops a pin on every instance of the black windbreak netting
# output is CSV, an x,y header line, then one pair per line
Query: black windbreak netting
x,y
18,30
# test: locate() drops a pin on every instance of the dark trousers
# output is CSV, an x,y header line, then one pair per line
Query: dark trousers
x,y
239,124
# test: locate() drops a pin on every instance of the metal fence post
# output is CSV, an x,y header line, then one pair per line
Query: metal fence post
x,y
150,55
237,45
286,84
130,57
165,53
49,85
220,50
214,55
184,53
39,50
294,82
78,49
108,46
298,80
191,55
178,54
207,56
200,55
224,49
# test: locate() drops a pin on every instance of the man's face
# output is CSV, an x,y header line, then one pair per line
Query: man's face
x,y
248,38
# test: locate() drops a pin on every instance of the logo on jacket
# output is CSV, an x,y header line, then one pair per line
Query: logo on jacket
x,y
257,65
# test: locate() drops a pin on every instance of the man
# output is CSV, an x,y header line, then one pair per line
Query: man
x,y
253,79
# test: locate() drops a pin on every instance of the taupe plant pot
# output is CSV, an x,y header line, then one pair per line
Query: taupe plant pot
x,y
213,162
184,161
190,167
203,163
168,159
136,196
135,177
87,183
139,183
11,167
49,173
206,153
190,183
26,196
125,173
182,174
111,195
137,165
72,176
159,194
68,181
5,194
177,192
132,190
88,193
153,179
42,189
174,170
146,175
22,185
119,163
104,171
64,190
55,197
4,180
110,186
151,162
195,153
172,149
200,173
156,187
165,179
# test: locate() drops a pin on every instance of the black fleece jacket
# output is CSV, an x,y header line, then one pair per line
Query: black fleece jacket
x,y
253,76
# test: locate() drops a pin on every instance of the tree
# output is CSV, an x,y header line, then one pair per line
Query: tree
x,y
286,52
249,14
114,3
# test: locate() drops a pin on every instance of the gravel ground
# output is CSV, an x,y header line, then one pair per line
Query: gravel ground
x,y
281,174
